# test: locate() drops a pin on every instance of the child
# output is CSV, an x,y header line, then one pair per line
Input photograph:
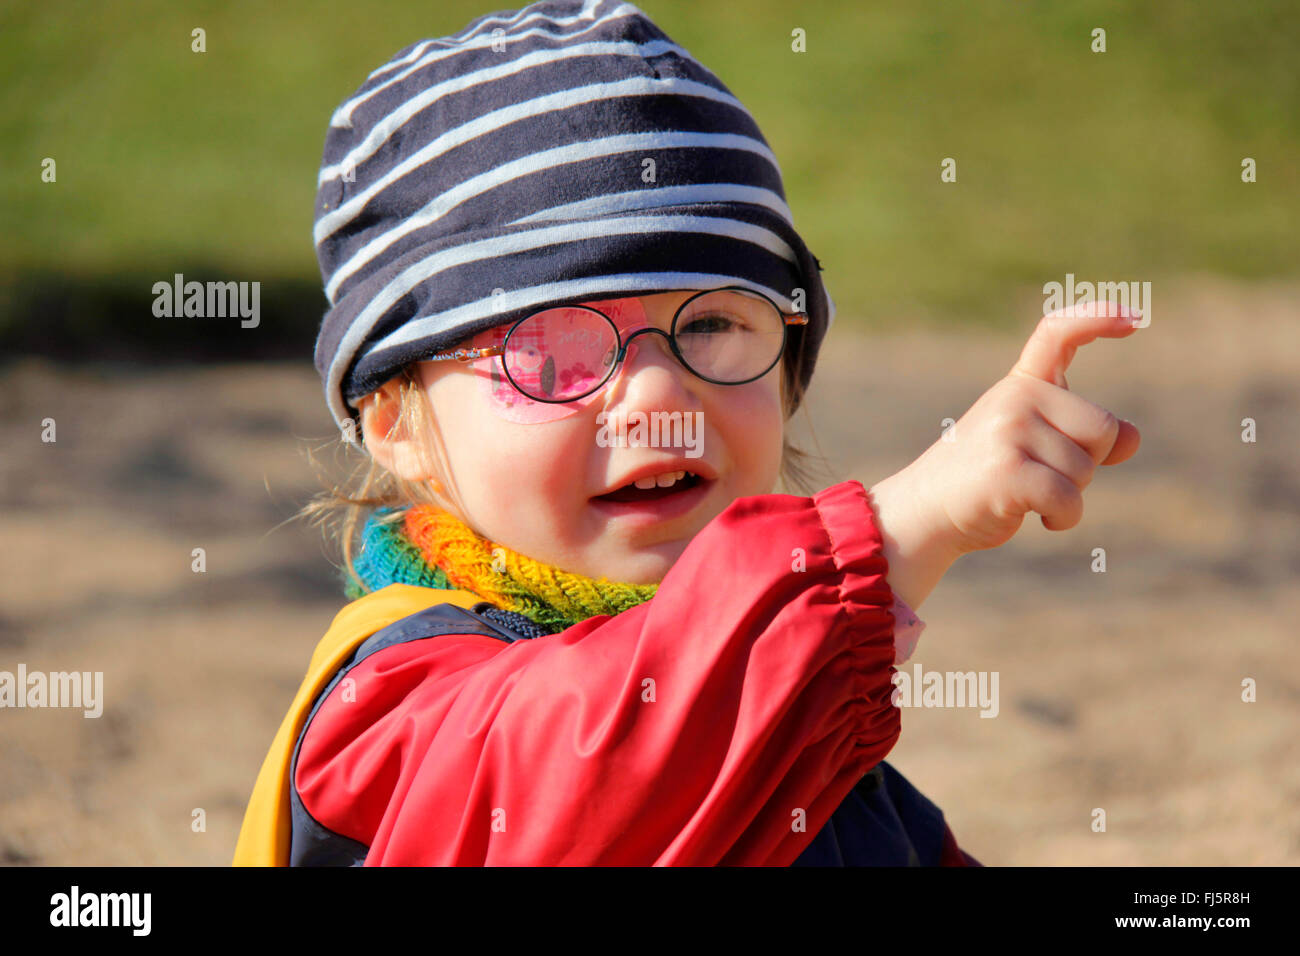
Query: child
x,y
565,647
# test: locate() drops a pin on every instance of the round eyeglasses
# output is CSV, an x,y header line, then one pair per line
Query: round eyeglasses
x,y
725,336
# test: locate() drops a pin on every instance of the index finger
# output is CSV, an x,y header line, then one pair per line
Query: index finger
x,y
1051,347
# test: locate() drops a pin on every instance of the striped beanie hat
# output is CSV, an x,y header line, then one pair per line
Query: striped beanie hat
x,y
561,153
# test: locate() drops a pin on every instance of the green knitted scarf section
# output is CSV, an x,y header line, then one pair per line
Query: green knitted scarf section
x,y
427,547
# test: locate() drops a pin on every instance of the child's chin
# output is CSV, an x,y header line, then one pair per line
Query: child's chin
x,y
645,565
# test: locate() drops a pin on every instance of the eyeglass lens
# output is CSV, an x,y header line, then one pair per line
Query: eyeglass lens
x,y
564,353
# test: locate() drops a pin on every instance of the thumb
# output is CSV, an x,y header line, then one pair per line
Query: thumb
x,y
1126,443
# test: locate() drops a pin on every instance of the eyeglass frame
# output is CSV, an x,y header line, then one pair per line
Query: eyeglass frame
x,y
471,355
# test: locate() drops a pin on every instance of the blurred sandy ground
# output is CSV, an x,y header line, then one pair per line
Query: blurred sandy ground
x,y
1119,690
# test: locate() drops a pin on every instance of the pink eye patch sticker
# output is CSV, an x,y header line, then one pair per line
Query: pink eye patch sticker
x,y
513,406
530,370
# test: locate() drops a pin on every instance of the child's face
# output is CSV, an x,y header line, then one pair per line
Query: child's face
x,y
527,474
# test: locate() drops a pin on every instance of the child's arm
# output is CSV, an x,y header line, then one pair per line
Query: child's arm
x,y
722,722
1026,445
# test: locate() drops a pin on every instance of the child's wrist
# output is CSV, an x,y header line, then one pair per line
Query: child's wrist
x,y
918,548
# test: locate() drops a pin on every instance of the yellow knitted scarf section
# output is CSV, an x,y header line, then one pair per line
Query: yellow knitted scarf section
x,y
512,581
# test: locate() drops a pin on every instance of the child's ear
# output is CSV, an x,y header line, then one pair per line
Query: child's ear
x,y
389,442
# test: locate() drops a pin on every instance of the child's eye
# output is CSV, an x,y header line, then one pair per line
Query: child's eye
x,y
709,325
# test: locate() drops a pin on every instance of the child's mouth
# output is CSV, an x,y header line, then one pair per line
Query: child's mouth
x,y
633,493
652,505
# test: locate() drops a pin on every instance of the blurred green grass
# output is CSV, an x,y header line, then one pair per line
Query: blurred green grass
x,y
1123,165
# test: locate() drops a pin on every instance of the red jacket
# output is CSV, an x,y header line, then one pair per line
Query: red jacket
x,y
722,722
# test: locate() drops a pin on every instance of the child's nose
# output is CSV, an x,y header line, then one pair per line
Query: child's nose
x,y
647,347
650,371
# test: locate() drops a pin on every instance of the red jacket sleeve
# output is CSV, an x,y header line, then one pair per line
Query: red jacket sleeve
x,y
722,722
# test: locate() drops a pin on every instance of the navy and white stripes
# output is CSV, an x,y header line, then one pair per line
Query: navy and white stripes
x,y
563,152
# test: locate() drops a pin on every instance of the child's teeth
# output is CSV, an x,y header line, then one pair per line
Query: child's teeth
x,y
659,481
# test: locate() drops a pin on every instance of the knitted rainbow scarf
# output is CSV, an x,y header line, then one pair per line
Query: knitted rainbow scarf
x,y
425,546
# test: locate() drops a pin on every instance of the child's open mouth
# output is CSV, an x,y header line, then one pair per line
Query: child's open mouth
x,y
671,495
685,482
